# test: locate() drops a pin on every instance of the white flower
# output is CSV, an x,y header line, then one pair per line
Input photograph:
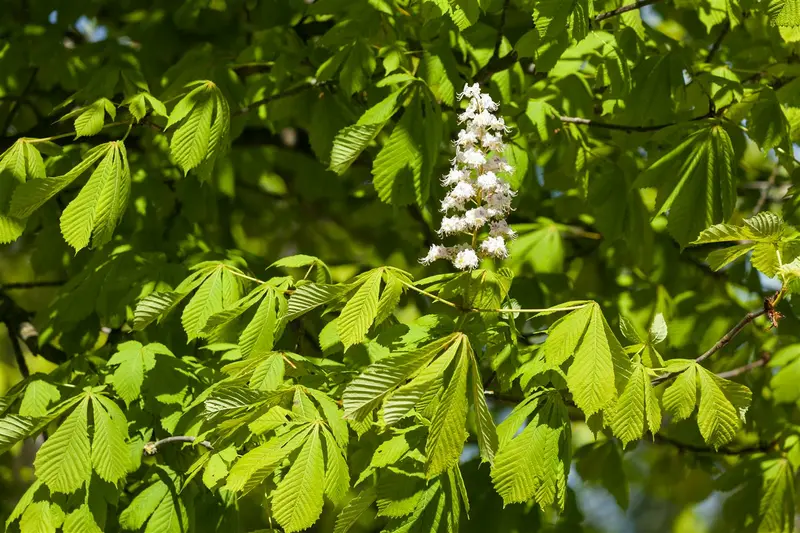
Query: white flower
x,y
495,247
466,138
488,181
463,191
436,252
466,259
478,198
452,225
470,92
475,218
454,176
499,228
472,157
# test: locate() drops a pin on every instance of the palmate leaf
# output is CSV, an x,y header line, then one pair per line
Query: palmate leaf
x,y
31,195
695,183
360,311
20,163
349,143
598,367
447,430
38,396
202,118
564,335
63,462
297,501
89,120
366,391
533,464
254,467
98,208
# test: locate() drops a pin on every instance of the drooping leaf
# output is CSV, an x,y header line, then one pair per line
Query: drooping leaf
x,y
297,501
63,462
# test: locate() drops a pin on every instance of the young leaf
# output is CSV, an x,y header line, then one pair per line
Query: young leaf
x,y
144,505
354,509
14,428
63,462
484,423
723,405
133,360
219,290
110,454
258,337
297,501
447,431
349,143
38,396
360,311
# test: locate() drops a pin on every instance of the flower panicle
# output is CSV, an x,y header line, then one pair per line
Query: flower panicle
x,y
478,196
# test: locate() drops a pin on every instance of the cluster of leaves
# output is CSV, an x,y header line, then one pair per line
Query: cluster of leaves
x,y
349,392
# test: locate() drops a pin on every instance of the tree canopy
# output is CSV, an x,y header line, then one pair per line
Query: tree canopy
x,y
399,265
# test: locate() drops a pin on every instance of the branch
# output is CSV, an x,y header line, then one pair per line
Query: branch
x,y
622,127
32,284
721,343
151,448
728,374
624,9
310,84
19,357
682,446
715,47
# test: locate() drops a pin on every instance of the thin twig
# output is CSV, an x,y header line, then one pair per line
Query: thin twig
x,y
759,448
289,92
18,355
721,343
15,105
151,448
624,9
433,296
31,284
728,374
622,127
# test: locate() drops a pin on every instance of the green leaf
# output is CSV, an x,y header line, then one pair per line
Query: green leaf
x,y
203,119
81,520
110,455
268,375
99,207
533,464
39,394
144,505
254,466
258,337
310,296
484,423
398,166
719,258
349,143
777,506
63,462
695,183
41,517
366,391
354,510
154,306
169,517
337,475
723,405
133,360
31,195
447,431
636,403
598,366
680,398
219,290
14,428
91,118
788,20
297,501
360,311
564,335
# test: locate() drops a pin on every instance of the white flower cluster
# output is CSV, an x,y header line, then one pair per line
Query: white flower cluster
x,y
478,195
